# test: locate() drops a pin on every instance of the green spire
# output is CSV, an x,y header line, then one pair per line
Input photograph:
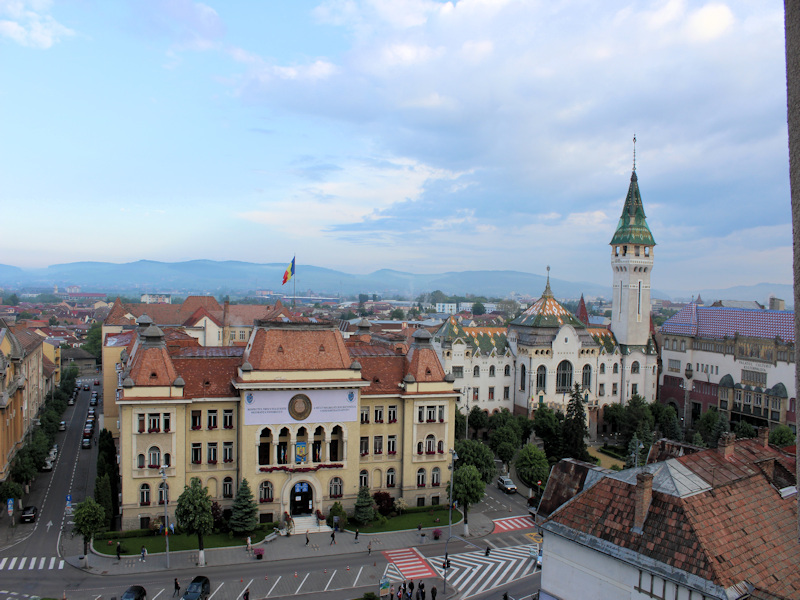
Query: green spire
x,y
632,227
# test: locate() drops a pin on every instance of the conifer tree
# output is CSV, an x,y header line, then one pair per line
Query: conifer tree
x,y
244,516
574,430
364,511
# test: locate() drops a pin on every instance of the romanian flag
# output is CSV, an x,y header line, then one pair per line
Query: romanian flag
x,y
289,272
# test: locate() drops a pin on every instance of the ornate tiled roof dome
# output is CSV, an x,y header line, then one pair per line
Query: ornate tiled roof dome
x,y
547,312
632,227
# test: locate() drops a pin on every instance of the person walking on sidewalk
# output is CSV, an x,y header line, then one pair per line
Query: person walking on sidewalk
x,y
177,591
433,593
411,588
333,538
119,551
356,538
246,595
144,554
369,548
249,545
422,589
307,540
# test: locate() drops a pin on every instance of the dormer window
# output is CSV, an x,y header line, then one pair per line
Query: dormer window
x,y
321,348
280,349
153,375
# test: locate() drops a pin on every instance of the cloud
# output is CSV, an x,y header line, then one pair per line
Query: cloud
x,y
28,23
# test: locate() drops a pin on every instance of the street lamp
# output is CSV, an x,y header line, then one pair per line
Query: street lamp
x,y
163,472
452,467
466,414
688,373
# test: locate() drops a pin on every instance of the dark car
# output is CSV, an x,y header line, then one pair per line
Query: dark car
x,y
86,386
135,592
86,443
199,589
29,514
505,484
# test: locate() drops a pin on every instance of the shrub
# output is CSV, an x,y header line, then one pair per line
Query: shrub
x,y
384,501
337,511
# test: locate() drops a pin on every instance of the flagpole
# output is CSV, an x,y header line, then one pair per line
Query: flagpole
x,y
294,294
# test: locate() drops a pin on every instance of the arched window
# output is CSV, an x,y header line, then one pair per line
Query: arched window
x,y
602,369
144,494
522,376
419,448
421,478
491,371
507,370
541,378
586,379
363,479
335,488
163,492
436,476
616,368
440,447
635,367
563,376
167,459
265,492
154,456
476,372
227,487
140,461
390,477
430,444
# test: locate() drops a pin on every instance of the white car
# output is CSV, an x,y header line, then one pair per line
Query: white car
x,y
48,465
62,426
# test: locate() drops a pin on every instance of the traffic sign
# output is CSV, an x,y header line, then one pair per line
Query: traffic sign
x,y
69,500
10,506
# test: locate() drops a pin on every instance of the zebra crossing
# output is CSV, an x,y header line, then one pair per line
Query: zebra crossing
x,y
512,524
473,572
35,563
408,564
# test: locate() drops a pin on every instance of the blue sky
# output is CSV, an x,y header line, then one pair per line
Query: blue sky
x,y
406,134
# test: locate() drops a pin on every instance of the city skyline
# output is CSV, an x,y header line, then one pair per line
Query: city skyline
x,y
418,136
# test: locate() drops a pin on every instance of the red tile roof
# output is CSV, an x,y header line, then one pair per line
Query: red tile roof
x,y
299,348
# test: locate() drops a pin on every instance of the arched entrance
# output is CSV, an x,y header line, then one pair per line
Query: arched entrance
x,y
301,501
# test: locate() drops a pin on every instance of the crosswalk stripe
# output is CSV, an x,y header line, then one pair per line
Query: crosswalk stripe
x,y
3,563
12,563
22,563
61,564
33,564
41,562
52,562
30,563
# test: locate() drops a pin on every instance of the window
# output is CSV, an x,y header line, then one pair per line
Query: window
x,y
491,371
163,492
440,447
541,377
754,378
601,390
141,423
615,368
507,371
227,452
377,444
683,345
391,444
757,399
140,461
167,422
144,494
506,393
227,487
167,460
212,453
379,414
363,479
674,344
564,376
430,444
635,367
458,372
392,414
335,488
673,366
154,457
242,334
197,416
421,414
436,476
476,394
233,335
602,369
613,389
491,393
476,372
364,446
419,447
364,414
212,419
197,449
586,378
431,413
265,491
153,423
522,377
227,418
390,478
634,389
420,478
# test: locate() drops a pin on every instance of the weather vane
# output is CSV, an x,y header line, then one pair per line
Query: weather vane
x,y
634,151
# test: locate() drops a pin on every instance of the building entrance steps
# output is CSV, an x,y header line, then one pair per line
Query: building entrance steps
x,y
309,523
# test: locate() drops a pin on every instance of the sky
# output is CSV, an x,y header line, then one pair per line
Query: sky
x,y
415,135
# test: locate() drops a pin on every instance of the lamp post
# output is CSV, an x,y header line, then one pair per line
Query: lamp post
x,y
453,459
688,373
466,414
163,472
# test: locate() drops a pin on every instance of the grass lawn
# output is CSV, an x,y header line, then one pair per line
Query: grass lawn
x,y
605,460
410,521
155,543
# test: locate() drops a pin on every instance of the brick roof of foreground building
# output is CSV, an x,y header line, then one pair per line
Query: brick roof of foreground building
x,y
727,520
28,338
298,347
384,372
151,364
423,362
719,322
208,376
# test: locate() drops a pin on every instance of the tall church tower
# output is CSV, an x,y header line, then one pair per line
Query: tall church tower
x,y
632,262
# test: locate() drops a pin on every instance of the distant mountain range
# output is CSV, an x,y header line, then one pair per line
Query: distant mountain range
x,y
234,277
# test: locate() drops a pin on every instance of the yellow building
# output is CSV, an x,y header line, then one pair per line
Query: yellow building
x,y
305,416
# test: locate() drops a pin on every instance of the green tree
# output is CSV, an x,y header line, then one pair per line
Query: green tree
x,y
89,519
12,300
635,450
477,454
672,429
507,433
102,495
53,321
347,315
478,419
575,431
548,429
525,426
26,315
613,416
193,513
364,511
10,489
478,308
501,419
697,440
532,467
707,425
467,488
93,343
781,436
720,427
244,516
506,451
744,430
461,425
438,296
23,468
337,510
636,417
413,313
397,314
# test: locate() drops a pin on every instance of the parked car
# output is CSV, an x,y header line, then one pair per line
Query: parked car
x,y
505,484
71,401
54,449
48,465
86,386
29,514
86,443
135,592
93,402
539,557
62,426
97,382
199,589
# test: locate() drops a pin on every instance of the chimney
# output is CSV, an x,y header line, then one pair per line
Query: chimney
x,y
763,436
726,443
644,495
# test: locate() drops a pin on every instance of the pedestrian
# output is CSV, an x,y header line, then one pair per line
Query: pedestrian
x,y
369,548
249,546
177,591
119,551
246,595
411,587
144,553
307,540
356,538
419,594
419,527
333,538
422,589
391,591
433,593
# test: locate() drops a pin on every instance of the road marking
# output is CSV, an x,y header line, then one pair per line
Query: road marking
x,y
301,583
52,562
490,544
41,562
329,580
355,583
273,585
534,537
513,523
410,563
61,565
33,564
244,589
216,590
157,595
22,563
3,564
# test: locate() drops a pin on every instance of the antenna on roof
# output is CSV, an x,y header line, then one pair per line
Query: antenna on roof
x,y
634,152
